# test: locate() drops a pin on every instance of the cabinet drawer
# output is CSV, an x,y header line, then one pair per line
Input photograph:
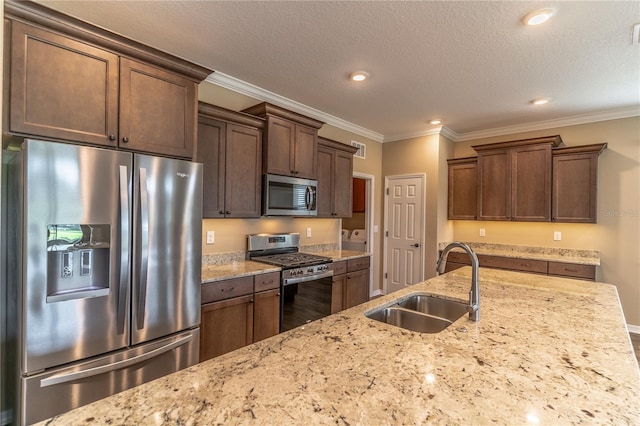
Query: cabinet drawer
x,y
267,281
358,264
457,257
525,265
451,266
221,290
572,270
340,268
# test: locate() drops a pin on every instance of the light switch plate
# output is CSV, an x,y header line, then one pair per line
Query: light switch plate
x,y
482,233
308,232
211,237
557,236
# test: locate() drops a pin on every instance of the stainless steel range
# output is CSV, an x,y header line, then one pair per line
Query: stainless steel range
x,y
306,279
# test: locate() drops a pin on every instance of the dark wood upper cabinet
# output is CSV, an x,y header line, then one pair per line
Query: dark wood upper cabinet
x,y
463,188
575,183
290,141
514,179
62,88
335,175
75,82
230,148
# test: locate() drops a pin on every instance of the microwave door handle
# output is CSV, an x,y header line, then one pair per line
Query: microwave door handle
x,y
124,248
144,247
311,205
309,197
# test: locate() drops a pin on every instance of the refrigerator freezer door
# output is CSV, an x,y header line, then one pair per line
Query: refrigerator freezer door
x,y
167,241
53,392
76,249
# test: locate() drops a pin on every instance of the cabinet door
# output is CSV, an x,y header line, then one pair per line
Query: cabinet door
x,y
306,146
343,186
211,153
325,182
225,326
337,292
158,110
494,185
356,288
575,188
266,314
62,88
463,191
243,171
280,146
531,183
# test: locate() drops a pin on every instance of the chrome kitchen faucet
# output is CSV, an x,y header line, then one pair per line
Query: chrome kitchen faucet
x,y
474,293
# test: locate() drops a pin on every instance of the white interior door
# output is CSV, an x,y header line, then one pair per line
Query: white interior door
x,y
404,231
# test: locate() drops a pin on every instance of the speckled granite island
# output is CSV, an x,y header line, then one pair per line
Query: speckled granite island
x,y
546,350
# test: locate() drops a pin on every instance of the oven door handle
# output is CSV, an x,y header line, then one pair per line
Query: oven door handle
x,y
296,280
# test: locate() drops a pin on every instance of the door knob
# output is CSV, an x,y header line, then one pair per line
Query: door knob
x,y
415,245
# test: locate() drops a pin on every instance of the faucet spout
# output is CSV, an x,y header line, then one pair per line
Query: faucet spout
x,y
474,293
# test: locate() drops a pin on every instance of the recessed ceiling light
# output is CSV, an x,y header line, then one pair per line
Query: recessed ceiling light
x,y
435,121
538,17
540,101
359,76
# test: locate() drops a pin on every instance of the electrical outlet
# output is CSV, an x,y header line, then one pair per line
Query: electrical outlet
x,y
482,233
308,232
211,237
557,236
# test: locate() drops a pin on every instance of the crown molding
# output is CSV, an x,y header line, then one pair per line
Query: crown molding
x,y
261,94
573,120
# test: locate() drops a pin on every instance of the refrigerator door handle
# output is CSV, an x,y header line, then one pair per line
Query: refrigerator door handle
x,y
144,247
83,374
124,248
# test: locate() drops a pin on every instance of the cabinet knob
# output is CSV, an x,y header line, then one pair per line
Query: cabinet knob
x,y
227,212
221,212
112,137
125,139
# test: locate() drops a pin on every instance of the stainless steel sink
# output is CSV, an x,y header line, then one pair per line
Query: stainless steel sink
x,y
420,312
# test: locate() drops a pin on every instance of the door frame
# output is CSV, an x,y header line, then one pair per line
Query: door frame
x,y
369,216
423,180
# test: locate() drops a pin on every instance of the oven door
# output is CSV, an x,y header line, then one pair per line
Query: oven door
x,y
304,302
289,196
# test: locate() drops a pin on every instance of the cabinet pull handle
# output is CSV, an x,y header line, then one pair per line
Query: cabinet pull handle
x,y
112,137
570,270
525,264
229,289
267,282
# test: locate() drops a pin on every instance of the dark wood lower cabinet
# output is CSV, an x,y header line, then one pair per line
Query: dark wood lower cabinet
x,y
350,283
457,260
225,326
266,314
356,289
238,312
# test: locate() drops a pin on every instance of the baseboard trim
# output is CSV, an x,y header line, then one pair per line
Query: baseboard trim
x,y
633,328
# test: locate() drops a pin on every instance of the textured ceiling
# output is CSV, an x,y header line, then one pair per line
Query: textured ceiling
x,y
473,64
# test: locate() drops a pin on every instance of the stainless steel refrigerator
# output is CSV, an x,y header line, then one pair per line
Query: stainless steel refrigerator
x,y
106,273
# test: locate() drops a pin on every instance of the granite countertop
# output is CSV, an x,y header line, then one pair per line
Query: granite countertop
x,y
235,269
553,254
337,255
546,350
238,267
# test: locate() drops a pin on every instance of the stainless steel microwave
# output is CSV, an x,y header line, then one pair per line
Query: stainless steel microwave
x,y
289,196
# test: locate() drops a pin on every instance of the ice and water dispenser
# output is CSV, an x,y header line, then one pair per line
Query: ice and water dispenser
x,y
78,258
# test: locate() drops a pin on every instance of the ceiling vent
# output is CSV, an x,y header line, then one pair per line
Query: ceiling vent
x,y
636,34
362,150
